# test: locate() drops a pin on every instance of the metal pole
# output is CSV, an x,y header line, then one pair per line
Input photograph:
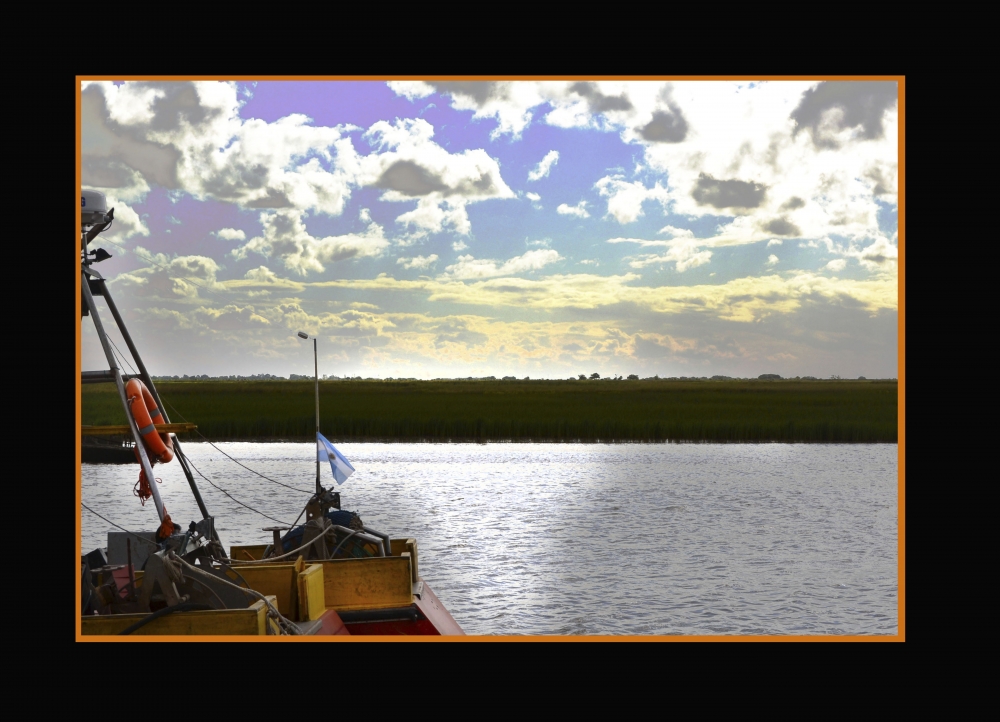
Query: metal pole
x,y
319,487
143,458
147,379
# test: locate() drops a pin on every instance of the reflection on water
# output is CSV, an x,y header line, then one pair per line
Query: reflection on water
x,y
586,538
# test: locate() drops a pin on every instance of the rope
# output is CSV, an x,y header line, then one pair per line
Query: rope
x,y
286,554
142,539
286,626
334,553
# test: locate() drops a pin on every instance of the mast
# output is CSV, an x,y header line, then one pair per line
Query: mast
x,y
319,487
96,220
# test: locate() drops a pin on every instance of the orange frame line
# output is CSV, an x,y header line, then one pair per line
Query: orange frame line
x,y
900,635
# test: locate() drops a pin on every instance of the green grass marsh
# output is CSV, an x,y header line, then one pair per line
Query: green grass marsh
x,y
651,410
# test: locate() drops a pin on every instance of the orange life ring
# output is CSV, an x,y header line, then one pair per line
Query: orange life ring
x,y
146,413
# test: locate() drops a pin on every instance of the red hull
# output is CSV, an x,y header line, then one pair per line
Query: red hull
x,y
425,617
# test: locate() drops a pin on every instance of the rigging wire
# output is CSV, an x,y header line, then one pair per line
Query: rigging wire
x,y
188,460
143,539
275,481
122,356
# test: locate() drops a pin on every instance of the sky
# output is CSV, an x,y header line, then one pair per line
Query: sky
x,y
429,229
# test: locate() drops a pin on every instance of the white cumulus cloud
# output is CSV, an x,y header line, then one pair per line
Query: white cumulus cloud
x,y
684,252
418,261
544,166
231,234
468,267
411,166
577,210
286,238
625,199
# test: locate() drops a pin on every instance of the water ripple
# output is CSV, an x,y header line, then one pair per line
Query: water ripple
x,y
586,538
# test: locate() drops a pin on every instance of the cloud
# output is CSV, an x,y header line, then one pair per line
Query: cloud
x,y
879,255
782,227
285,238
742,300
835,106
188,137
759,168
684,252
597,101
418,261
533,196
413,167
838,264
459,245
625,199
772,260
666,126
230,234
577,210
774,242
883,178
675,232
469,267
509,103
604,105
262,274
544,166
179,278
732,193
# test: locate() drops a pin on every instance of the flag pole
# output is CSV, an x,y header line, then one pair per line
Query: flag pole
x,y
319,487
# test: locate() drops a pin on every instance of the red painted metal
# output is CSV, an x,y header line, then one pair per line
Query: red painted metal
x,y
121,580
430,606
332,624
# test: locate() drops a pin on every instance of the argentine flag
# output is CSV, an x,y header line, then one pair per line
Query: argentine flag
x,y
341,467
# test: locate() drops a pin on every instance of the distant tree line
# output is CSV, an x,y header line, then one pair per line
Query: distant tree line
x,y
580,377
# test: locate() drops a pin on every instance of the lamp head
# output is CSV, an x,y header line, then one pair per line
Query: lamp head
x,y
303,335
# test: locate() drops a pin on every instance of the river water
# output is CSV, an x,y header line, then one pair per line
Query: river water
x,y
672,539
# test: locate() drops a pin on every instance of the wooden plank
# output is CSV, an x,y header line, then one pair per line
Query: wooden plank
x,y
247,552
127,430
367,583
250,621
409,544
277,580
312,596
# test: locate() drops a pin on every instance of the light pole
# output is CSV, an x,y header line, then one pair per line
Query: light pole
x,y
319,487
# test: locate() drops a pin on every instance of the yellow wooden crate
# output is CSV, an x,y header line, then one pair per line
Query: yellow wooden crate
x,y
311,592
370,583
399,546
247,552
278,580
250,621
